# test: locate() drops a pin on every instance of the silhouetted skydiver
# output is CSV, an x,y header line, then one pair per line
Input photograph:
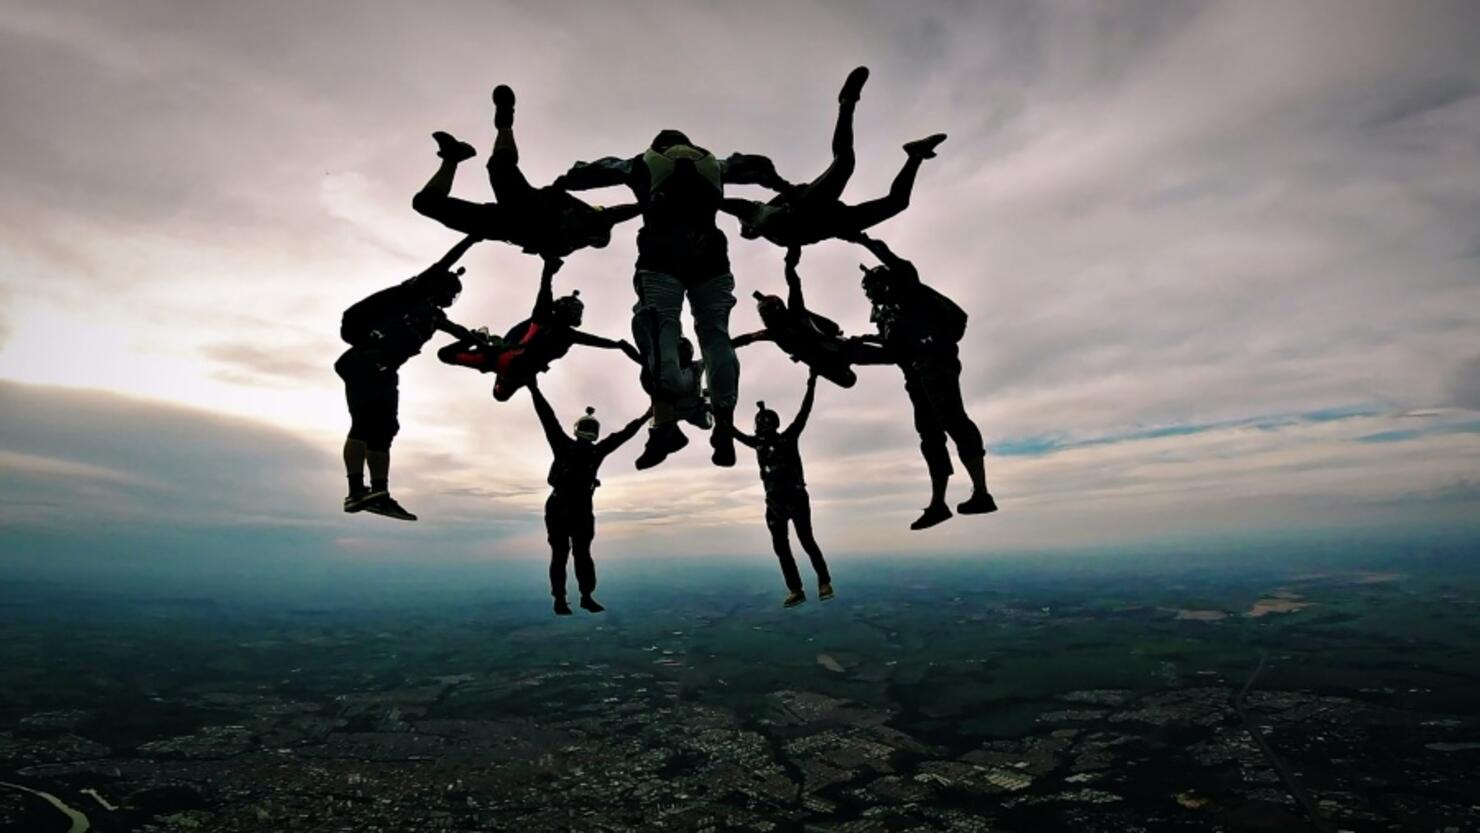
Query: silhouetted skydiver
x,y
383,331
534,343
814,212
570,520
691,403
919,329
803,335
681,253
786,493
543,221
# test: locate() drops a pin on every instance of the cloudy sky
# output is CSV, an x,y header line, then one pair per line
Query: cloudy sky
x,y
1222,262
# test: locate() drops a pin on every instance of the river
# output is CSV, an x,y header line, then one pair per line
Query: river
x,y
80,824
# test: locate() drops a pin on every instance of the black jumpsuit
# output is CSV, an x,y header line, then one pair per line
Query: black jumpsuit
x,y
570,520
786,493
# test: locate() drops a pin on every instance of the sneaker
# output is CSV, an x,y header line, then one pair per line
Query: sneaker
x,y
562,607
723,443
980,503
924,148
355,501
853,86
794,598
381,503
662,441
825,591
503,107
590,604
449,148
933,514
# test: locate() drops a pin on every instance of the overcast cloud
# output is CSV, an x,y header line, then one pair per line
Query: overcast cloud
x,y
1221,259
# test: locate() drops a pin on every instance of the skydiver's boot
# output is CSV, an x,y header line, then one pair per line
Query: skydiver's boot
x,y
980,502
853,85
662,440
451,149
794,598
722,438
562,607
934,513
381,503
924,148
503,107
825,591
589,604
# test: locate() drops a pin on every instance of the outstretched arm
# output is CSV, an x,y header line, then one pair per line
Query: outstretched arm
x,y
800,423
752,169
544,300
622,344
615,441
744,438
606,171
750,338
886,255
553,433
794,299
453,255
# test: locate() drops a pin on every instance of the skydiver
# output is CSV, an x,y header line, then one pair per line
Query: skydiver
x,y
814,212
803,335
919,329
543,221
690,403
681,253
786,493
570,520
383,331
534,343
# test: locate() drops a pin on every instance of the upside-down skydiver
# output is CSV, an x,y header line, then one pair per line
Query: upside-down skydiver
x,y
814,212
533,344
787,500
805,336
570,519
383,331
919,329
544,221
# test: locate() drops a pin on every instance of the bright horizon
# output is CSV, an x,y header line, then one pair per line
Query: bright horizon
x,y
1220,262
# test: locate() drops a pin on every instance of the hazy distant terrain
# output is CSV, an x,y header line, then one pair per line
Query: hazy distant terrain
x,y
1021,696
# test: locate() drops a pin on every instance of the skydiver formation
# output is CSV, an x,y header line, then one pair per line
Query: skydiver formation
x,y
678,190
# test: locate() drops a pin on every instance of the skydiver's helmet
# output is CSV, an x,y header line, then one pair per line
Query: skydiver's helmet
x,y
587,427
877,282
685,351
767,421
771,308
668,138
568,310
441,288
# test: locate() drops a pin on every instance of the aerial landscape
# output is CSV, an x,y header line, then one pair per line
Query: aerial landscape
x,y
1016,696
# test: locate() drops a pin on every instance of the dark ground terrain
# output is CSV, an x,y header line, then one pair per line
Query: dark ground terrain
x,y
1056,694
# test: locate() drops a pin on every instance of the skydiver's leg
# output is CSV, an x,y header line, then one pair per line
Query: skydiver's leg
x,y
656,330
509,185
354,443
776,523
582,534
657,327
828,188
942,381
711,302
435,199
933,449
559,537
801,517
